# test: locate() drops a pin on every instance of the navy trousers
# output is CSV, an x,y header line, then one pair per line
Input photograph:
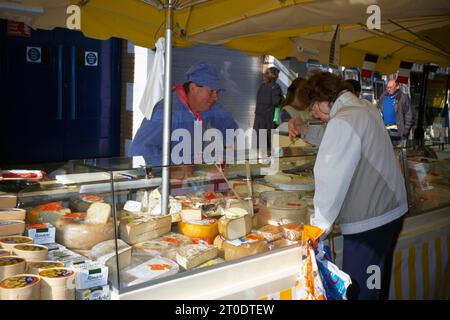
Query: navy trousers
x,y
362,253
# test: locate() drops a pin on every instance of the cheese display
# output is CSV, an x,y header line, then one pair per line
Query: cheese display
x,y
232,229
271,233
283,181
152,269
47,212
8,243
31,252
282,207
11,266
98,213
12,214
21,287
246,246
43,233
192,255
200,231
57,284
11,227
38,266
292,232
84,202
135,230
281,243
81,235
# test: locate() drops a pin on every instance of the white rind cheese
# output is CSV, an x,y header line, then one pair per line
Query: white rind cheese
x,y
192,255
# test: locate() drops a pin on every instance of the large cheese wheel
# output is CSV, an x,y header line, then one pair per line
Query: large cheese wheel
x,y
52,209
31,252
203,230
57,284
81,235
20,287
10,266
8,243
12,214
11,227
233,252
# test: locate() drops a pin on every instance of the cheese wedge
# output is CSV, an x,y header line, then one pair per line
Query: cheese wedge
x,y
271,233
233,252
138,230
232,229
98,213
192,255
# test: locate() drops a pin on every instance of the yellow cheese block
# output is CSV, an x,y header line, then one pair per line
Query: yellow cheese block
x,y
235,228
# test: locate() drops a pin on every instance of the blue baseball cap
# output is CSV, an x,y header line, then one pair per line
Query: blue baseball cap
x,y
204,74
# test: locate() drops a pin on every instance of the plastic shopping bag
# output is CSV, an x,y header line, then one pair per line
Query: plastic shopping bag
x,y
334,280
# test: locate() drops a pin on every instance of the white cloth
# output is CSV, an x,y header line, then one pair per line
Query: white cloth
x,y
154,88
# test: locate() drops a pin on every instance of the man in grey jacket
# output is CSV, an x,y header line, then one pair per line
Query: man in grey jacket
x,y
395,106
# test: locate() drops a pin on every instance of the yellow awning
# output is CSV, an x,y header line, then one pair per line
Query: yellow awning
x,y
267,26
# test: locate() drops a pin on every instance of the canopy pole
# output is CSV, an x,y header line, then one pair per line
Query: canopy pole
x,y
167,125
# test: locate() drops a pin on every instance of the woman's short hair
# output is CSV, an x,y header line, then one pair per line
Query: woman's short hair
x,y
292,91
322,86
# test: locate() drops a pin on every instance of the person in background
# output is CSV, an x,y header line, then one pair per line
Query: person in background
x,y
269,96
291,106
358,182
194,102
395,107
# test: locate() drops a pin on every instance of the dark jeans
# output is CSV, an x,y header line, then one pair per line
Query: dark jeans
x,y
370,248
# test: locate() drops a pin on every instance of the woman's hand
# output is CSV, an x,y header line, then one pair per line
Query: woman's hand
x,y
296,126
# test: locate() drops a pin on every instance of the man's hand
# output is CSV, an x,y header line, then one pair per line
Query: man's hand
x,y
296,126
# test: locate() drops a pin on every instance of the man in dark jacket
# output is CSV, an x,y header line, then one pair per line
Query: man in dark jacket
x,y
395,107
268,97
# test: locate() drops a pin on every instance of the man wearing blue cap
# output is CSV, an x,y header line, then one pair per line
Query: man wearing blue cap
x,y
193,102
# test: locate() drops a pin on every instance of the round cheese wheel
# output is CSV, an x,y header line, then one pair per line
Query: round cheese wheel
x,y
20,287
8,243
31,252
82,236
12,214
57,277
203,229
57,284
37,266
10,266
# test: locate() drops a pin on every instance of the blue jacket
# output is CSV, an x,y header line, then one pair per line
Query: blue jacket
x,y
148,139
